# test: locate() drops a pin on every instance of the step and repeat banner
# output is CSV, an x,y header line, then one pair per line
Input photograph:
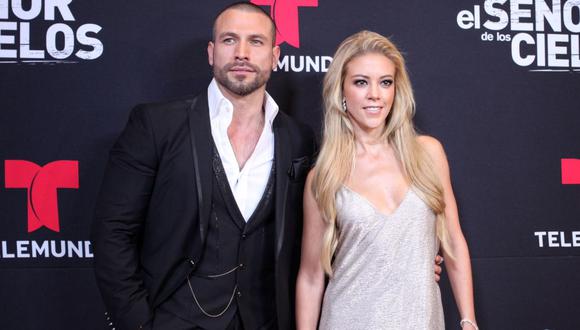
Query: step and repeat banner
x,y
497,81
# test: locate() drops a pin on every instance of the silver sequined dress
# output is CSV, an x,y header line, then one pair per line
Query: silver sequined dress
x,y
383,267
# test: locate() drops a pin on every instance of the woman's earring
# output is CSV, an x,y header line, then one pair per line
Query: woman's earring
x,y
344,104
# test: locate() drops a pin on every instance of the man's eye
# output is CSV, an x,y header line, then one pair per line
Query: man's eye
x,y
228,41
257,42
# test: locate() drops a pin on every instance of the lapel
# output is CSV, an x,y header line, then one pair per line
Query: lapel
x,y
283,153
201,145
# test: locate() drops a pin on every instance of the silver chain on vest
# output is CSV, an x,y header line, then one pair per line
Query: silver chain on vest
x,y
229,302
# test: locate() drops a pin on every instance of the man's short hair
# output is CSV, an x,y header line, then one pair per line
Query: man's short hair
x,y
248,7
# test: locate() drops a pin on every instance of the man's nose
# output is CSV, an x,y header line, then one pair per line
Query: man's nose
x,y
242,51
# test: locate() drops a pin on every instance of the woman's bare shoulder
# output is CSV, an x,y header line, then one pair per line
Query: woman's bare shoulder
x,y
433,147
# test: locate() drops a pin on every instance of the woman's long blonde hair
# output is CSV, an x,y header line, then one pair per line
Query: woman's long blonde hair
x,y
336,157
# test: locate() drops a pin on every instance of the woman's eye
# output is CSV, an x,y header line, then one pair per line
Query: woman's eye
x,y
387,82
360,82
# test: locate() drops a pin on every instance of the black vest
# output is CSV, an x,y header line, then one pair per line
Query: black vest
x,y
238,264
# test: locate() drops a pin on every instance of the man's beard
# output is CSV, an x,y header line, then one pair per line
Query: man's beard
x,y
241,88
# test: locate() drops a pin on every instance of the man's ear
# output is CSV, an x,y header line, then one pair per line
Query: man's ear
x,y
210,46
276,56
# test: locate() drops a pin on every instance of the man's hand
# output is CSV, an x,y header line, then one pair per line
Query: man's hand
x,y
438,268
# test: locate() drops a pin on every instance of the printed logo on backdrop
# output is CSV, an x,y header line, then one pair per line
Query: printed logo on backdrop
x,y
41,184
286,15
553,238
45,31
542,35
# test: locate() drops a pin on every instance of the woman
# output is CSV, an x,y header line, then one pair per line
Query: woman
x,y
377,204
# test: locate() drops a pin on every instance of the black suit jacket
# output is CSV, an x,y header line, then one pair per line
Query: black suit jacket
x,y
153,209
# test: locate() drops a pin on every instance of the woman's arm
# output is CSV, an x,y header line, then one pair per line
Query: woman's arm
x,y
459,267
310,282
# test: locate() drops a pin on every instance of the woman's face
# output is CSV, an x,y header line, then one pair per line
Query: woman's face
x,y
369,90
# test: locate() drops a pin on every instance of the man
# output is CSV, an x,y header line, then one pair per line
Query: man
x,y
198,222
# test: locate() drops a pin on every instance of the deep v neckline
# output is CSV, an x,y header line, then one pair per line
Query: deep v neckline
x,y
374,208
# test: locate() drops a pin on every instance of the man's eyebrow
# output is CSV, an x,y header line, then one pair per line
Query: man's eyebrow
x,y
258,35
251,36
228,34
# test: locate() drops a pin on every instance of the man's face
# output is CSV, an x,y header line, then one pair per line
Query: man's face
x,y
243,53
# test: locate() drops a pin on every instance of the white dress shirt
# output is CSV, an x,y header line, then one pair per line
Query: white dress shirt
x,y
247,184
